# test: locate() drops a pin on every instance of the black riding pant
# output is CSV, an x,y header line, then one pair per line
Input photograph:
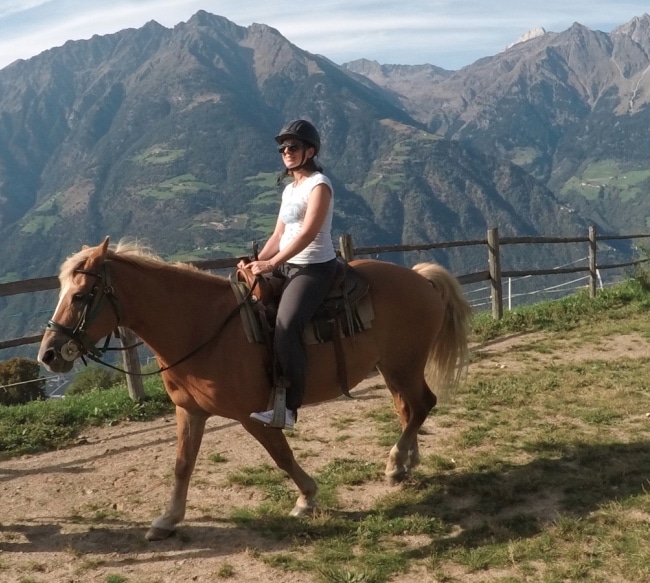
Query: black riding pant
x,y
304,290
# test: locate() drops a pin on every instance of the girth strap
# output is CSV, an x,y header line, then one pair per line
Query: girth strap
x,y
341,368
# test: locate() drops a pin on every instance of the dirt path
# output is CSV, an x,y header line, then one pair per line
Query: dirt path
x,y
79,515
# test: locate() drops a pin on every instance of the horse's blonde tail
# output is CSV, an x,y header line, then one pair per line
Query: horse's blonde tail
x,y
449,354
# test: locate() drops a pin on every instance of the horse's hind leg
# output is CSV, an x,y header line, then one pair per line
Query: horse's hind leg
x,y
403,412
189,433
405,453
276,444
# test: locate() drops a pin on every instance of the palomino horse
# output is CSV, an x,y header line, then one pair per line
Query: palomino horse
x,y
189,319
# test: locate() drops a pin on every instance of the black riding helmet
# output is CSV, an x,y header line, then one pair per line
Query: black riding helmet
x,y
302,130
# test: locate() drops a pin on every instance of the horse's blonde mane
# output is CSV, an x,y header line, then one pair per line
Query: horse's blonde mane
x,y
129,250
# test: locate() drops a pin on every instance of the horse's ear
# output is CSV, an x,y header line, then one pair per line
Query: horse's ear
x,y
104,246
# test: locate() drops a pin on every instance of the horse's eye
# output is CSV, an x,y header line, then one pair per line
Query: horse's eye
x,y
78,297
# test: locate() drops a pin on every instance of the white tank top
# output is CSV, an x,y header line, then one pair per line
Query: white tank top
x,y
292,214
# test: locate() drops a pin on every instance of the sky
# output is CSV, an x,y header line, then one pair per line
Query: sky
x,y
445,33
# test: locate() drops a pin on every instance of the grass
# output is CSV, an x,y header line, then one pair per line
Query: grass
x,y
611,311
544,479
39,224
158,155
607,175
44,425
535,475
182,185
549,483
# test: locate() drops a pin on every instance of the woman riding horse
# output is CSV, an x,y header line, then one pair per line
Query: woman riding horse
x,y
417,340
301,251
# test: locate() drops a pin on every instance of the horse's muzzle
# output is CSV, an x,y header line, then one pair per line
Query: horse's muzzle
x,y
56,357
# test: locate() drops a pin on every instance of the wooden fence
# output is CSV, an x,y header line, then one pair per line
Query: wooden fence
x,y
493,274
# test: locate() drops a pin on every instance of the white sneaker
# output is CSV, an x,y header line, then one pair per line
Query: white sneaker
x,y
267,416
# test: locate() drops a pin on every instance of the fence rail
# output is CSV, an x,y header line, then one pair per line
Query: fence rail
x,y
495,275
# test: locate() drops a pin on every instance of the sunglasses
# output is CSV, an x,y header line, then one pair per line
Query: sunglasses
x,y
290,147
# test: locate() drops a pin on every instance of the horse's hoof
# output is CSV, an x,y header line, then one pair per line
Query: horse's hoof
x,y
303,510
157,533
396,478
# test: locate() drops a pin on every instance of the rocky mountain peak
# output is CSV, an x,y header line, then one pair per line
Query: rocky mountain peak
x,y
636,29
215,22
372,69
532,33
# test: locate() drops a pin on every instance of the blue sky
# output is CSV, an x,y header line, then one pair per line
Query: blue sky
x,y
446,33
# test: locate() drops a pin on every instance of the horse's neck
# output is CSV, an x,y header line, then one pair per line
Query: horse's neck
x,y
172,310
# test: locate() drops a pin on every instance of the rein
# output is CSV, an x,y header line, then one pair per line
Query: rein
x,y
212,338
81,345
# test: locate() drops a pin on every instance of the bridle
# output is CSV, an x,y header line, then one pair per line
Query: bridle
x,y
81,345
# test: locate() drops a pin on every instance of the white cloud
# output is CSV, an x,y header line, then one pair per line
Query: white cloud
x,y
442,32
9,7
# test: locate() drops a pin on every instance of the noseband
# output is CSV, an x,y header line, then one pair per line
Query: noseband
x,y
94,302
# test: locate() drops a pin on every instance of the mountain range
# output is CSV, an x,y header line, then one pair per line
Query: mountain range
x,y
166,135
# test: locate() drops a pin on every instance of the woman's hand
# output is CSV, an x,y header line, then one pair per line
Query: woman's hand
x,y
259,267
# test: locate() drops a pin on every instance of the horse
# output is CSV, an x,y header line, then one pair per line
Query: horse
x,y
190,319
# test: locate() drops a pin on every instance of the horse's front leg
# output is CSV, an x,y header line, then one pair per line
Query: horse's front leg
x,y
276,444
189,433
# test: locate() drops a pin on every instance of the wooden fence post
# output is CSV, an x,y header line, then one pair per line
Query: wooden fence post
x,y
592,261
347,250
494,261
131,362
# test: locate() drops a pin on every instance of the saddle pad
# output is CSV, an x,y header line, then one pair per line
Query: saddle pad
x,y
359,319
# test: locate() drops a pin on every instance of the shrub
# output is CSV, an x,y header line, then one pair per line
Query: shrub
x,y
94,378
15,386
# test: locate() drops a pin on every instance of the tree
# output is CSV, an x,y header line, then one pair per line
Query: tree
x,y
21,381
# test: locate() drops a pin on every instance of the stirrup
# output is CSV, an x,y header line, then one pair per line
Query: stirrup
x,y
278,401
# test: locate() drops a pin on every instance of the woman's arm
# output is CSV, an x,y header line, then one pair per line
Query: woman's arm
x,y
317,207
270,248
272,245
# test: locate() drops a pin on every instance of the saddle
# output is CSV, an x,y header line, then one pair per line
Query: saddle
x,y
348,284
342,313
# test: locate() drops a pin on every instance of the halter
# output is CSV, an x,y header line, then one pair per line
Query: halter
x,y
80,342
